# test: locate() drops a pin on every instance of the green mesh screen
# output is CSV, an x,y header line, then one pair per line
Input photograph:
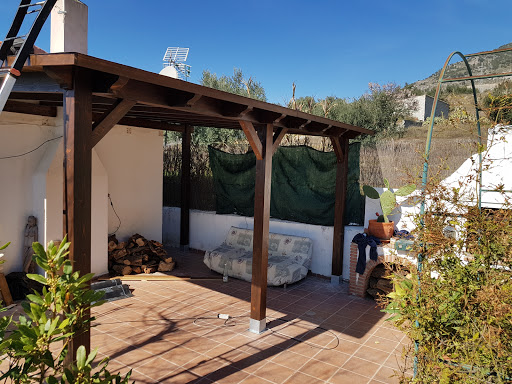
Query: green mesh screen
x,y
303,185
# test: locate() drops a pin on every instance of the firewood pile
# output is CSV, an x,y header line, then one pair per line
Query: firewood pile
x,y
380,280
137,255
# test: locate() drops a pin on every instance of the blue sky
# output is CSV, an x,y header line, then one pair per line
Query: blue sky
x,y
325,47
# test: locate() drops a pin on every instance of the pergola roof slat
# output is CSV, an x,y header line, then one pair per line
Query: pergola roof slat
x,y
164,100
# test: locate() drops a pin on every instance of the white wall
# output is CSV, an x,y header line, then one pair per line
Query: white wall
x,y
208,230
133,160
69,19
17,177
127,163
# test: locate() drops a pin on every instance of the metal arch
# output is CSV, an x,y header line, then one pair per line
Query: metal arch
x,y
428,147
431,129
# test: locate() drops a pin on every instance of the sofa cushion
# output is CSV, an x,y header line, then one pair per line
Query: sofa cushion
x,y
289,256
240,238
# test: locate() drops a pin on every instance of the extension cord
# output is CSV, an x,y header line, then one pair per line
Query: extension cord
x,y
223,316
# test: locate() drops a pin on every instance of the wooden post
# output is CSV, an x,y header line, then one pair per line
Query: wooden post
x,y
261,233
77,181
185,187
340,146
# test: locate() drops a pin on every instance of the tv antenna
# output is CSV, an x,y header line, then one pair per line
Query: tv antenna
x,y
174,63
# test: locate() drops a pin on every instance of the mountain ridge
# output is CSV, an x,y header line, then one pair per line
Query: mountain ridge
x,y
486,64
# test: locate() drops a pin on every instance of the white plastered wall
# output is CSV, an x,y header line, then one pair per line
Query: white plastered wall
x,y
22,178
127,163
208,230
132,158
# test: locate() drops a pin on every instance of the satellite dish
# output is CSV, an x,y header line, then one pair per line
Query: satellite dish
x,y
174,63
170,71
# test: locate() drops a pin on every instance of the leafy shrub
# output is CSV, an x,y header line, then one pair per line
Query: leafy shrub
x,y
37,344
499,103
458,306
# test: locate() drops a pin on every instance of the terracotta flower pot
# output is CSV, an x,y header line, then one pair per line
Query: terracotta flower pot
x,y
383,231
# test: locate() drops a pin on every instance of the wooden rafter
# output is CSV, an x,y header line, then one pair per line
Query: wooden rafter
x,y
252,137
109,119
278,137
30,108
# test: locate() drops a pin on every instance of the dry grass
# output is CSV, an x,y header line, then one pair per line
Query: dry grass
x,y
399,160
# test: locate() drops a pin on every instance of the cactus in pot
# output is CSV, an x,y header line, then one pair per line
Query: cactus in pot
x,y
387,198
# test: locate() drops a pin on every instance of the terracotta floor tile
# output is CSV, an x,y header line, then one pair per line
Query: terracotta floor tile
x,y
332,357
224,372
181,355
249,363
386,375
346,377
234,378
139,377
319,369
181,377
305,319
382,344
251,379
346,346
361,367
207,366
301,378
290,359
133,357
274,372
157,368
371,354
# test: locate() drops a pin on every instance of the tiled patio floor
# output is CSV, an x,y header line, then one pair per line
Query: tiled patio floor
x,y
168,332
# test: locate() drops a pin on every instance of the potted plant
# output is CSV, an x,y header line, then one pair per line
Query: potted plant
x,y
382,227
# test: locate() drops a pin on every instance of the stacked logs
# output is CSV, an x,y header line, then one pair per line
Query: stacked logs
x,y
380,282
137,255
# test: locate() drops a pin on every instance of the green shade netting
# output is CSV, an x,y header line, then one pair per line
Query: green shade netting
x,y
302,189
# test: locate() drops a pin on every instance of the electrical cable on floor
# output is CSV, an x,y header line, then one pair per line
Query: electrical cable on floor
x,y
118,218
26,153
231,322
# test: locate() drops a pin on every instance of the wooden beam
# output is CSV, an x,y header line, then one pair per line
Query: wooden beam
x,y
110,118
341,149
278,137
144,123
185,187
30,108
261,230
253,138
61,75
77,182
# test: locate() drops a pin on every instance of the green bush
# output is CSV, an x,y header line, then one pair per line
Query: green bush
x,y
499,103
458,306
37,344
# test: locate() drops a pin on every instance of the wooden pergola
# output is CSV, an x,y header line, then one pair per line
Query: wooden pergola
x,y
97,94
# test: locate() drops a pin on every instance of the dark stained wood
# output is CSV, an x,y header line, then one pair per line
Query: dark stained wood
x,y
278,137
48,96
340,146
168,92
185,187
5,293
61,75
144,123
261,227
30,108
77,179
253,138
109,119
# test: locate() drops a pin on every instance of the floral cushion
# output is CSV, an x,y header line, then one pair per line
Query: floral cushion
x,y
289,257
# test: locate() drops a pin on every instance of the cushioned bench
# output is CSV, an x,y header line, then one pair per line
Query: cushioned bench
x,y
289,257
